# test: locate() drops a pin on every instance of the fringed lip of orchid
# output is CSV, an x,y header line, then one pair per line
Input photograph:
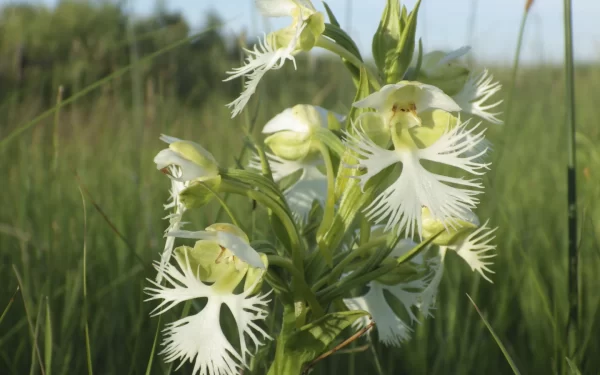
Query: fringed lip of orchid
x,y
447,197
186,338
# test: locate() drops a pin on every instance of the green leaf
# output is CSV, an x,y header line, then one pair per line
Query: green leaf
x,y
510,361
344,40
388,34
573,370
315,338
398,60
331,16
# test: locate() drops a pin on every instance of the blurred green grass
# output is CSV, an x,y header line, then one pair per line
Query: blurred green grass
x,y
109,140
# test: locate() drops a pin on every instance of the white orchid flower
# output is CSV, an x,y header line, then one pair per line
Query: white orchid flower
x,y
182,161
271,53
448,198
199,338
292,141
392,329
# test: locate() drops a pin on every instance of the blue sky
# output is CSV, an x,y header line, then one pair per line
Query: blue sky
x,y
443,24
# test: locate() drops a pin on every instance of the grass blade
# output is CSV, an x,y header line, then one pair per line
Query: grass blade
x,y
510,361
156,335
573,249
32,332
10,302
88,349
48,340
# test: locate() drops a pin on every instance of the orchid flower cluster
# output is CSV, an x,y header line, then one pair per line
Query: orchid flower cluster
x,y
363,205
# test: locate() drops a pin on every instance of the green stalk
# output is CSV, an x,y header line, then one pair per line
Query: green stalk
x,y
515,69
331,46
88,348
573,320
329,210
55,137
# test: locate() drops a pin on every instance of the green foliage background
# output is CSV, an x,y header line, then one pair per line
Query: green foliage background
x,y
109,137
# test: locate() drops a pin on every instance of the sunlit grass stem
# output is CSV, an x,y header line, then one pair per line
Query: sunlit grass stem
x,y
573,251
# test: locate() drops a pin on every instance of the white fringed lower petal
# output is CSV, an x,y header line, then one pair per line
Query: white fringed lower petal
x,y
199,338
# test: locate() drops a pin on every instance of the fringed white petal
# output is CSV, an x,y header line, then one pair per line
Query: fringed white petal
x,y
200,338
448,198
175,222
372,158
456,148
400,204
477,251
261,59
392,330
478,89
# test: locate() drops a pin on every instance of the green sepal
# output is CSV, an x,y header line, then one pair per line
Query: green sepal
x,y
315,26
199,193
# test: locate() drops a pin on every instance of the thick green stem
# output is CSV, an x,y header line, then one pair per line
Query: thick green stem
x,y
331,46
